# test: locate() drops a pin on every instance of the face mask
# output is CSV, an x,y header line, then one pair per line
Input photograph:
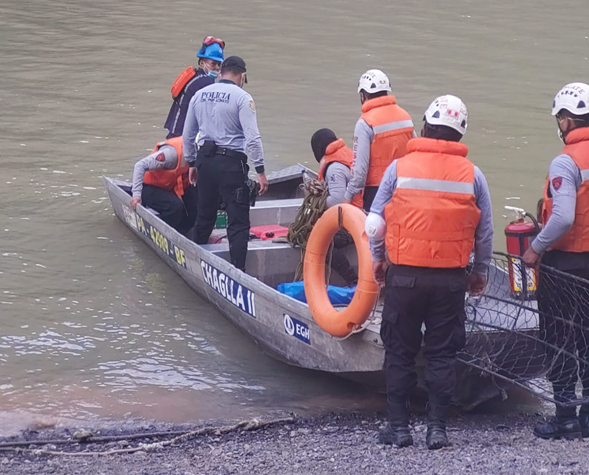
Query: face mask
x,y
213,74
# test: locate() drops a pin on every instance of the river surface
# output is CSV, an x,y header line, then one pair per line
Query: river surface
x,y
93,324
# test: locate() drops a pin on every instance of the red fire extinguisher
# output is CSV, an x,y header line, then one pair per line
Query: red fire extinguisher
x,y
519,235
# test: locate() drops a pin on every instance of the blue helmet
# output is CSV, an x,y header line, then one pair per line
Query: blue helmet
x,y
213,51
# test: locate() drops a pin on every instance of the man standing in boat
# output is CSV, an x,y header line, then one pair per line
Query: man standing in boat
x,y
380,136
335,162
432,208
563,244
224,117
160,181
191,80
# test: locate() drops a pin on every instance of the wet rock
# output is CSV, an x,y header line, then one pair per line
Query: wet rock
x,y
82,434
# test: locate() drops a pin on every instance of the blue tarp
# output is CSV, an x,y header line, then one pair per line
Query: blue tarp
x,y
337,295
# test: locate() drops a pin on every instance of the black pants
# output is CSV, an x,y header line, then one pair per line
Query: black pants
x,y
180,213
224,176
417,295
563,306
369,194
339,260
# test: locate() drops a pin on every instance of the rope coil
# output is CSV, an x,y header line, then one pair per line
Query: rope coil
x,y
314,205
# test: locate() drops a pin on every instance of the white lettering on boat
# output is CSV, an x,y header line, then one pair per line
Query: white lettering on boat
x,y
235,293
296,328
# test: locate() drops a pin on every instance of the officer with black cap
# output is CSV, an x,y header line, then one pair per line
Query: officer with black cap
x,y
223,116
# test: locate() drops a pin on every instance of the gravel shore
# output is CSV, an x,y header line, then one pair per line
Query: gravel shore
x,y
482,444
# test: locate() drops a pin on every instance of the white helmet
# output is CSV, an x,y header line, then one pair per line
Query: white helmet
x,y
574,97
375,227
374,80
449,111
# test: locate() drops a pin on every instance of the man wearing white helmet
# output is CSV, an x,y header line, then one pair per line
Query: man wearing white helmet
x,y
432,208
563,244
380,136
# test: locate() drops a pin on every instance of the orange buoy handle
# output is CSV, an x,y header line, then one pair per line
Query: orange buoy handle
x,y
336,323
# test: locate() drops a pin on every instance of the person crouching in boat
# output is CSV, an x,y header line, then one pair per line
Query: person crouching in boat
x,y
160,181
433,206
192,80
563,244
335,162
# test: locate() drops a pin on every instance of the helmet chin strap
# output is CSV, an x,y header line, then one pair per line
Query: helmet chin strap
x,y
561,134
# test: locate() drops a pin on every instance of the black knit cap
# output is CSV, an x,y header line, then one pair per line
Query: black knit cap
x,y
234,63
320,141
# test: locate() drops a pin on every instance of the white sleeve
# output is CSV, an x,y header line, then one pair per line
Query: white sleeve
x,y
165,157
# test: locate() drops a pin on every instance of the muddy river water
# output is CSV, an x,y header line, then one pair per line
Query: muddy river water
x,y
93,324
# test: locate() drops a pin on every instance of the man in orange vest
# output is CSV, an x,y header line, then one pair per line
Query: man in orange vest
x,y
380,136
160,181
335,161
563,244
433,207
192,80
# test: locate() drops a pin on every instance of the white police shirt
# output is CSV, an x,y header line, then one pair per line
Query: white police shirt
x,y
225,114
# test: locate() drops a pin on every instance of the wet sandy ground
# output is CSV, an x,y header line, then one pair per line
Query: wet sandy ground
x,y
482,444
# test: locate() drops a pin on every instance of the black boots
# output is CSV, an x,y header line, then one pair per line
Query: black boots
x,y
559,428
584,424
397,430
436,437
565,425
395,435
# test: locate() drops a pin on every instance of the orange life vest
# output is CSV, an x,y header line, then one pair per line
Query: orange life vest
x,y
392,127
338,152
432,217
175,180
577,238
182,80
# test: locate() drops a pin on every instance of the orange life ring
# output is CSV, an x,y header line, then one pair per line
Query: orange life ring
x,y
327,317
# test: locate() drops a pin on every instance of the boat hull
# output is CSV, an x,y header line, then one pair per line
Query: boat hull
x,y
282,326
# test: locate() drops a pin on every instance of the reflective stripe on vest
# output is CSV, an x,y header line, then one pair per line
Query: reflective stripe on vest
x,y
393,128
399,124
436,185
577,237
432,216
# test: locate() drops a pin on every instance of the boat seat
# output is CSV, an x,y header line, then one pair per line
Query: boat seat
x,y
282,212
262,257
